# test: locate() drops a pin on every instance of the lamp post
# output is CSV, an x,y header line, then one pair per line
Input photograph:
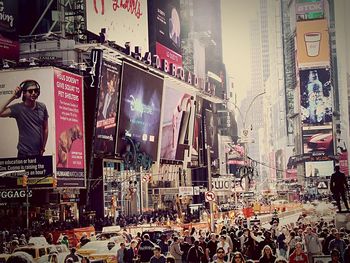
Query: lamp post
x,y
245,132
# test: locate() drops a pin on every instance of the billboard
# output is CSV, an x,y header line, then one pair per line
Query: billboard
x,y
69,128
198,139
211,128
125,21
108,94
9,44
313,43
308,10
176,113
165,30
41,131
140,108
318,142
319,169
316,95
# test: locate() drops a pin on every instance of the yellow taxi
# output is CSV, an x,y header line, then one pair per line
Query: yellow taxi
x,y
100,250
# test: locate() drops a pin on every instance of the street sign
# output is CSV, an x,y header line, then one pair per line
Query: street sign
x,y
185,190
196,190
210,196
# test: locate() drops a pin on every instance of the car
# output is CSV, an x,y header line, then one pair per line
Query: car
x,y
321,142
156,233
4,257
36,251
53,258
100,250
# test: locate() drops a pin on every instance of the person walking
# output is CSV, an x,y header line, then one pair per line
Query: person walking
x,y
339,187
175,250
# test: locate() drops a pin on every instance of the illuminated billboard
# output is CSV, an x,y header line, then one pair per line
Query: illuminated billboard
x,y
319,169
318,142
165,30
316,95
313,43
140,108
42,127
125,21
176,113
308,10
107,108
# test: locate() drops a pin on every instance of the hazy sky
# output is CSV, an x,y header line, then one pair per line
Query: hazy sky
x,y
236,15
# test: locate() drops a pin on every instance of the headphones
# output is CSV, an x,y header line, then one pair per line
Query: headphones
x,y
25,84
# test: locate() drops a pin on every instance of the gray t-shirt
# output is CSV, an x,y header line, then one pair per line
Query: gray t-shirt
x,y
30,125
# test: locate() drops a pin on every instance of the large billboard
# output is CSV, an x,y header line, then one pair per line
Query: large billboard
x,y
165,30
318,142
319,169
40,130
125,21
140,108
9,45
308,10
176,114
107,108
316,95
313,43
69,128
211,128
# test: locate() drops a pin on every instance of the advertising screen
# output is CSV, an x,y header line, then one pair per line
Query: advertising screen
x,y
27,125
211,128
313,43
69,125
125,21
140,108
165,30
197,142
107,108
318,142
320,169
9,45
176,111
307,10
316,95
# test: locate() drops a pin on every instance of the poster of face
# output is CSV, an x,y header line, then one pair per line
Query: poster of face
x,y
107,108
320,169
197,142
316,94
69,123
165,29
175,112
140,108
27,124
318,142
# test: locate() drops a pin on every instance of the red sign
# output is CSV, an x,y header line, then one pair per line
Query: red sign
x,y
343,163
165,53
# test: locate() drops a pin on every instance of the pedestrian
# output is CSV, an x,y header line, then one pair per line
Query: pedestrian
x,y
130,255
267,256
157,257
146,249
339,186
212,246
339,244
72,256
195,253
163,244
220,256
175,250
298,255
312,243
335,256
238,257
31,117
121,253
65,241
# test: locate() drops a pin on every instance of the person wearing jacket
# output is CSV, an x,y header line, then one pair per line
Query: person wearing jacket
x,y
298,255
146,249
195,253
175,250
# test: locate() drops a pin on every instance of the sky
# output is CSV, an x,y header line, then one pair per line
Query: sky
x,y
236,15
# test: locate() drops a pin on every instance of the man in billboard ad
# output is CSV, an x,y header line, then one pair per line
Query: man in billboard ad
x,y
176,114
69,129
318,142
165,30
140,107
211,128
107,108
25,108
316,94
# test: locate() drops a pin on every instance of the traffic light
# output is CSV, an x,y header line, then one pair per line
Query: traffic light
x,y
24,180
54,182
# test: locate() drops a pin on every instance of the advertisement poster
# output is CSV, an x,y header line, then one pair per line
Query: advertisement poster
x,y
124,21
197,142
316,95
27,133
211,128
313,43
319,169
176,111
9,45
140,108
165,30
70,156
308,10
107,108
318,142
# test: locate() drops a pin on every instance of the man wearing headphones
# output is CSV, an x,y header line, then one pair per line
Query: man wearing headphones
x,y
31,117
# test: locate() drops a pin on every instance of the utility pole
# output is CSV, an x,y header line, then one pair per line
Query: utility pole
x,y
211,205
